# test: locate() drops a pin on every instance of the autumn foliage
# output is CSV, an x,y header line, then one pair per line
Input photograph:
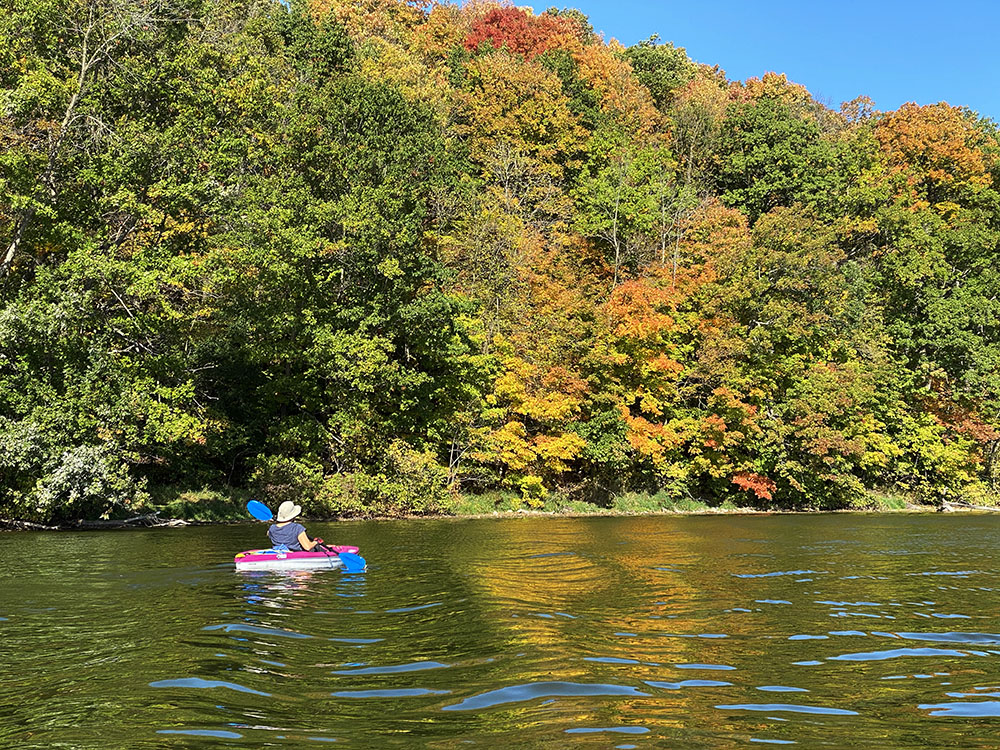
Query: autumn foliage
x,y
760,486
935,145
523,33
372,255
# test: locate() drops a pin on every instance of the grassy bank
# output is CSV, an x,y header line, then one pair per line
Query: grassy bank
x,y
215,506
229,505
646,504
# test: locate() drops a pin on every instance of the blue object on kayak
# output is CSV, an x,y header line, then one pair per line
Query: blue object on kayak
x,y
259,511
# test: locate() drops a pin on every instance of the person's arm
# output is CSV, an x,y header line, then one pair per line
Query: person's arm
x,y
307,543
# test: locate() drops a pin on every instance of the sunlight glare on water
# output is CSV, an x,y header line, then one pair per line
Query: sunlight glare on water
x,y
837,631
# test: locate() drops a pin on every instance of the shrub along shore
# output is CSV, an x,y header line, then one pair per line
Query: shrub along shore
x,y
391,258
172,508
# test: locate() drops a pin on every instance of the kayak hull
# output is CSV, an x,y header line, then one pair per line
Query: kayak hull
x,y
272,559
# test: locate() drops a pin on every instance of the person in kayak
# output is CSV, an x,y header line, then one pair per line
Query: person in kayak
x,y
289,534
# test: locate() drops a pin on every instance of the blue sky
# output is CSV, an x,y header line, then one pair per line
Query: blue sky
x,y
890,50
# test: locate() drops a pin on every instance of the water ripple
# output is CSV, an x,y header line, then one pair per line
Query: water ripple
x,y
790,707
414,608
897,653
390,693
978,638
610,660
958,573
394,668
686,683
230,627
778,573
979,709
197,682
618,730
358,641
533,690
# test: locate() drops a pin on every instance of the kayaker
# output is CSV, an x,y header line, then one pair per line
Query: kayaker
x,y
291,535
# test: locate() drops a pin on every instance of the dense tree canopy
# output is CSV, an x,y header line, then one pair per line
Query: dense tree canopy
x,y
367,255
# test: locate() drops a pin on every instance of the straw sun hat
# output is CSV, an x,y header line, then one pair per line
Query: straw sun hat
x,y
287,511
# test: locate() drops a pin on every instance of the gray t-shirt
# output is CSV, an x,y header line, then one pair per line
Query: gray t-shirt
x,y
287,535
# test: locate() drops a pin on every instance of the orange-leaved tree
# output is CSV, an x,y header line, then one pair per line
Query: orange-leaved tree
x,y
532,444
622,97
522,33
936,149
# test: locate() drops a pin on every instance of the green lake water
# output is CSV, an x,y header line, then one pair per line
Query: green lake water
x,y
834,631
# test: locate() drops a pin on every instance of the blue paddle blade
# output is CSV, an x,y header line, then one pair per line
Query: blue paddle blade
x,y
259,511
352,563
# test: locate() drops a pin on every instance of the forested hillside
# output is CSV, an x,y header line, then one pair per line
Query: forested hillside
x,y
369,255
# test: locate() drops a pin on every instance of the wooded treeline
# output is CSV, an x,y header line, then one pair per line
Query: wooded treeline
x,y
369,254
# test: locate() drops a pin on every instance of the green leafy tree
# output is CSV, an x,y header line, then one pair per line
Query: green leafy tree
x,y
771,156
662,68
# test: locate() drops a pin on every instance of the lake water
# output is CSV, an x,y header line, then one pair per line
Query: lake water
x,y
835,631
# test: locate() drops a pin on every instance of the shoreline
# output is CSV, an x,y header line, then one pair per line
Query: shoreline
x,y
153,520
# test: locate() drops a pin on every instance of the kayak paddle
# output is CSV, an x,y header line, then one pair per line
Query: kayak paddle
x,y
259,511
352,563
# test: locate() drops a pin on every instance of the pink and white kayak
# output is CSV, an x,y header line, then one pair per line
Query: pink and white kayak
x,y
274,559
